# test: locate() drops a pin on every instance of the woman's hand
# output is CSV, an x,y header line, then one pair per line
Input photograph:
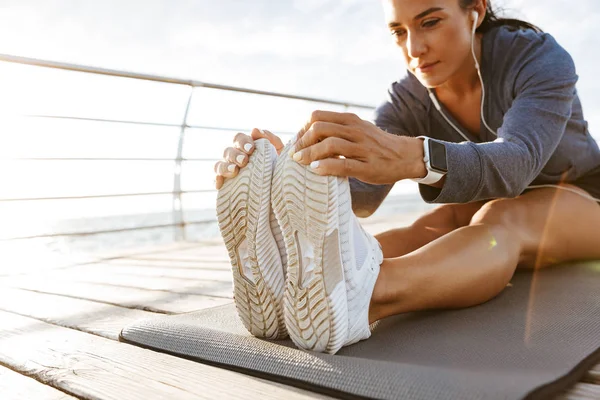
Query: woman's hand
x,y
368,153
236,157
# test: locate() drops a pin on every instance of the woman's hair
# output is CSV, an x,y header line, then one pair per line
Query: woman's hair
x,y
491,20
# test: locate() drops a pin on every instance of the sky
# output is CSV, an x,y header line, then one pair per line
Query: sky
x,y
336,50
326,48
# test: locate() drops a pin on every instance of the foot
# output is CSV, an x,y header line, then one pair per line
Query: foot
x,y
255,244
332,262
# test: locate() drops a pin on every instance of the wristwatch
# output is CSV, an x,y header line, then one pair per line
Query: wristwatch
x,y
435,161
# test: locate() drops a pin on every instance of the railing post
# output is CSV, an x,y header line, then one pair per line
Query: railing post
x,y
178,219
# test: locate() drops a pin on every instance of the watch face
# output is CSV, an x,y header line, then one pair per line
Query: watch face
x,y
437,156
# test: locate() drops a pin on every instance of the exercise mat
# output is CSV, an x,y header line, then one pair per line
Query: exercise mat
x,y
536,338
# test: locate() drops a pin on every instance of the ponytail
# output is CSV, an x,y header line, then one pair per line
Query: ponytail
x,y
491,19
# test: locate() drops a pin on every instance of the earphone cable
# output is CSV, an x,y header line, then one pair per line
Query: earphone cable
x,y
439,108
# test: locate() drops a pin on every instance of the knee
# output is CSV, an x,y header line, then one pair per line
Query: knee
x,y
502,219
501,213
436,223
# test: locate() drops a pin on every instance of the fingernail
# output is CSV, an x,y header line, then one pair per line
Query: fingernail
x,y
297,156
231,167
240,158
314,164
247,147
292,152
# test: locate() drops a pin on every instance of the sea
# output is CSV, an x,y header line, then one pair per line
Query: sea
x,y
60,245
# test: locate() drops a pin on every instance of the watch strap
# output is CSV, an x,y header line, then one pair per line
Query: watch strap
x,y
432,175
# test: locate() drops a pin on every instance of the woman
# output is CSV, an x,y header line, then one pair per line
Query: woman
x,y
510,156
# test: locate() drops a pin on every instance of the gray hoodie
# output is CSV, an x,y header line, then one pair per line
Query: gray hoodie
x,y
530,101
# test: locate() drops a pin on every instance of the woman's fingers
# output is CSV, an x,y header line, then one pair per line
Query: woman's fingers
x,y
235,156
244,143
327,116
219,182
271,137
320,131
233,160
341,167
330,147
226,169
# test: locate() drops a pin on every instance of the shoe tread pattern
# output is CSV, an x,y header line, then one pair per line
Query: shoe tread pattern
x,y
243,212
306,202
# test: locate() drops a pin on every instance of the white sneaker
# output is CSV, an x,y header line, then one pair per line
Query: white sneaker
x,y
332,262
255,244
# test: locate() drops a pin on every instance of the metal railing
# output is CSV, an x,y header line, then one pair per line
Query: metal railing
x,y
179,222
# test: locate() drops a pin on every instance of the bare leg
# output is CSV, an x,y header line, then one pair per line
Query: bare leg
x,y
429,227
463,268
474,263
400,241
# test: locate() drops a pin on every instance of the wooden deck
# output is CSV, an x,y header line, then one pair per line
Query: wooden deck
x,y
59,329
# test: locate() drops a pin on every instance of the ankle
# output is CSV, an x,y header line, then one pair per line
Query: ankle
x,y
383,292
390,292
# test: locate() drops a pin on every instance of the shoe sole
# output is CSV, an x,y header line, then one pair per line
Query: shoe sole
x,y
306,205
244,216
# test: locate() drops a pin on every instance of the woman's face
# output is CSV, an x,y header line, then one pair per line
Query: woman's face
x,y
434,35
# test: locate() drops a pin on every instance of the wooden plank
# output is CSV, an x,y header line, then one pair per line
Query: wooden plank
x,y
219,265
94,367
593,375
148,249
107,321
102,319
193,254
182,257
215,248
157,301
581,391
90,270
174,285
15,386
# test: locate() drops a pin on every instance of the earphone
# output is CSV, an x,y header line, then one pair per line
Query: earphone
x,y
475,16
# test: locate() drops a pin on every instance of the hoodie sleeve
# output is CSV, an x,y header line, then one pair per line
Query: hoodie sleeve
x,y
543,79
396,115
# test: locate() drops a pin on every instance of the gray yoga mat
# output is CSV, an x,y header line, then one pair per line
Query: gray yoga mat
x,y
539,336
